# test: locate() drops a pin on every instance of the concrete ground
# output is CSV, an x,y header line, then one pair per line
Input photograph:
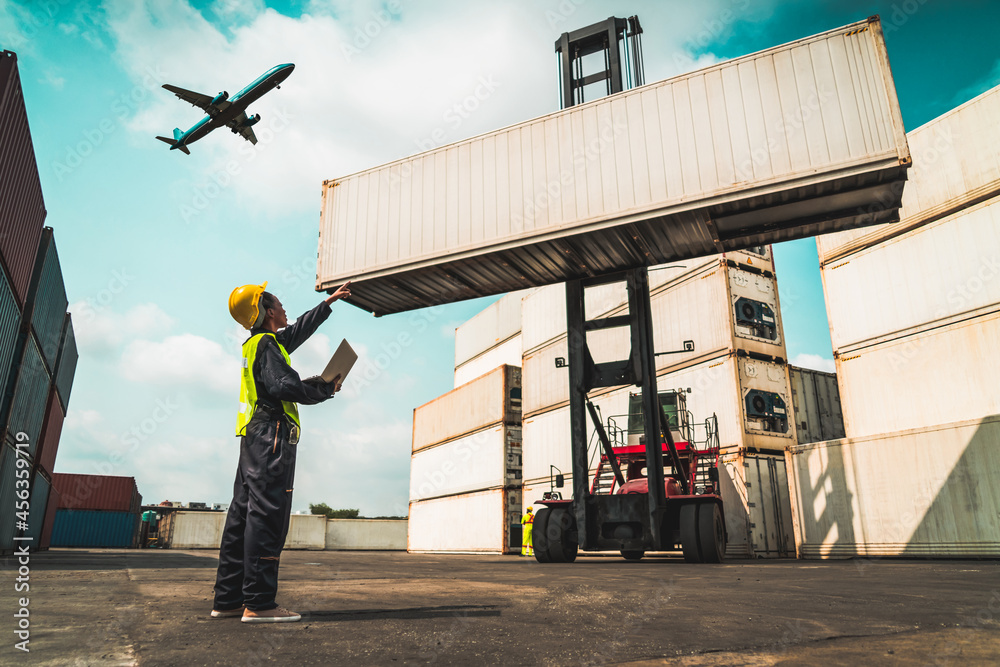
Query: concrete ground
x,y
151,608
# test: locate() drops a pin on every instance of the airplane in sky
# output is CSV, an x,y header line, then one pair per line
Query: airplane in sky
x,y
225,110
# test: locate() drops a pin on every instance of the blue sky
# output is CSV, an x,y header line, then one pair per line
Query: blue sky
x,y
152,241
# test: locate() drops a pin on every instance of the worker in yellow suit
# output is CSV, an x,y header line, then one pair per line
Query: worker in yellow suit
x,y
526,521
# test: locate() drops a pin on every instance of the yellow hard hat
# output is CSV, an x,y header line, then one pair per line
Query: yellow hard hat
x,y
529,509
243,305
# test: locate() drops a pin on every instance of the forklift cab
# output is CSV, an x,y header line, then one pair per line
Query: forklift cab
x,y
673,403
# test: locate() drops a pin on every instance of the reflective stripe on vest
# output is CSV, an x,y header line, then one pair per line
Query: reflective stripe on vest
x,y
248,387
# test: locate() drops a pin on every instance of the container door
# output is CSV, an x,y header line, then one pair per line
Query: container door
x,y
769,507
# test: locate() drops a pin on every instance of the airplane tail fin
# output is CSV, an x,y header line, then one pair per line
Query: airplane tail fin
x,y
177,134
173,144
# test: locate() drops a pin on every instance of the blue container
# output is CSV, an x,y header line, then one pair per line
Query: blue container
x,y
27,411
95,529
10,329
49,304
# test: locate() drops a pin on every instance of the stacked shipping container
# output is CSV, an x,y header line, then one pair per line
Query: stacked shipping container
x,y
465,471
37,348
96,511
728,306
914,313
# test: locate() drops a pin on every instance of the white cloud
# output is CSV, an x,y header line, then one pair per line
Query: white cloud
x,y
76,419
100,330
815,362
312,356
186,360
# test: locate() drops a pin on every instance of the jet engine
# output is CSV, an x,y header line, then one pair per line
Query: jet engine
x,y
221,97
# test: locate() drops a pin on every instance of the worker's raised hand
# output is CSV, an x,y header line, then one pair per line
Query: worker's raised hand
x,y
342,292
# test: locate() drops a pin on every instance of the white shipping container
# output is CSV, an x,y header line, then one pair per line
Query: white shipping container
x,y
789,142
508,353
816,405
494,398
480,460
366,535
544,312
306,531
944,270
954,164
481,522
705,307
192,530
718,387
754,490
492,326
935,378
928,492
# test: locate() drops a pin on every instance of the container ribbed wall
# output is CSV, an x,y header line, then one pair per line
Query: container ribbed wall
x,y
49,310
27,412
10,327
95,529
22,210
8,478
36,515
97,492
45,456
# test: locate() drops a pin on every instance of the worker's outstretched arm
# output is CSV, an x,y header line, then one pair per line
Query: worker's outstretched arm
x,y
281,381
292,336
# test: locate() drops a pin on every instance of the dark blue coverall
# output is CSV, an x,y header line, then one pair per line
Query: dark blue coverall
x,y
257,523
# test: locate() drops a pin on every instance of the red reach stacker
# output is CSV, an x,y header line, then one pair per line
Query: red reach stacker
x,y
668,494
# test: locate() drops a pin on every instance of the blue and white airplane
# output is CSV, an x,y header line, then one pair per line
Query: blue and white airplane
x,y
225,110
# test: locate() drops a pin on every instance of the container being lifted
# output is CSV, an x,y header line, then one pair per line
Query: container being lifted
x,y
794,141
790,142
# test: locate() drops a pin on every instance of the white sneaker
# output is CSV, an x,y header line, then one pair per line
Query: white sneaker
x,y
227,613
276,615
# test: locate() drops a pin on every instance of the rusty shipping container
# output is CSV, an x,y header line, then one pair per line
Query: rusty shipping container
x,y
22,210
27,411
710,161
66,366
97,492
494,398
48,300
48,447
8,478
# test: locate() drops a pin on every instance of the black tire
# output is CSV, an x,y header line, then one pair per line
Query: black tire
x,y
689,532
711,533
632,555
539,535
560,547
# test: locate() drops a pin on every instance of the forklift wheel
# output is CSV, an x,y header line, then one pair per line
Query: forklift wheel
x,y
689,532
539,535
711,533
632,555
561,549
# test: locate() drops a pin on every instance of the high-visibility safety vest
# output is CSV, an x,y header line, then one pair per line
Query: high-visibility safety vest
x,y
248,388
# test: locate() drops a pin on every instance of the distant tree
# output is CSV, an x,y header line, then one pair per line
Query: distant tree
x,y
330,513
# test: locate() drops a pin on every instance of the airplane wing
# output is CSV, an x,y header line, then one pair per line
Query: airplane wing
x,y
237,126
197,99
